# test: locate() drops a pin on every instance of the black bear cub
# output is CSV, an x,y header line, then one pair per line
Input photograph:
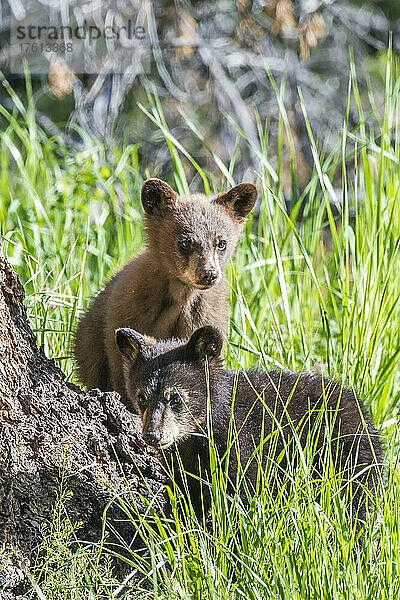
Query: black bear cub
x,y
167,384
175,285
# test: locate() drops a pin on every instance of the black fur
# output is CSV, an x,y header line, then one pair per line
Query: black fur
x,y
166,383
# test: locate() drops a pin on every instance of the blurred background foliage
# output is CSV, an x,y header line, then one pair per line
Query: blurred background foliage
x,y
206,60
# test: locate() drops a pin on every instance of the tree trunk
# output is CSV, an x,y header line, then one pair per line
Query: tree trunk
x,y
49,426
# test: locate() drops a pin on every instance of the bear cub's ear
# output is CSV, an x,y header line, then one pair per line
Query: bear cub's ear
x,y
157,196
205,342
130,343
239,201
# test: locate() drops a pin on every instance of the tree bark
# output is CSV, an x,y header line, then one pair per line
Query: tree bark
x,y
49,426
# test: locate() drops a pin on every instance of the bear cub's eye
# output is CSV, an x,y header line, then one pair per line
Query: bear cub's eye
x,y
221,245
175,400
141,398
184,244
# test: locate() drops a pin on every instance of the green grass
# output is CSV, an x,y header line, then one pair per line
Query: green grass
x,y
317,293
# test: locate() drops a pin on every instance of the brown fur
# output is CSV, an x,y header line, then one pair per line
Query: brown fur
x,y
165,290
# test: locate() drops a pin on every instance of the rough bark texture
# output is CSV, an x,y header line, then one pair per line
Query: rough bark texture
x,y
40,416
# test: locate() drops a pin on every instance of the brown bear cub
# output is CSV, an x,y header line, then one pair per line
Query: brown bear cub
x,y
272,412
173,286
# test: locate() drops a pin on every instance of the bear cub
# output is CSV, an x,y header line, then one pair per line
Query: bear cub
x,y
166,384
173,286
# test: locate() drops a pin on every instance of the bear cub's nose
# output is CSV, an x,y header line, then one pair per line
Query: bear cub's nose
x,y
210,276
152,437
